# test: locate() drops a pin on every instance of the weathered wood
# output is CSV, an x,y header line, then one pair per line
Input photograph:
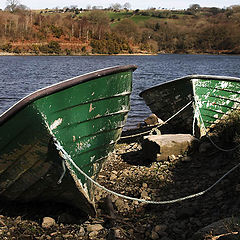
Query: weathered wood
x,y
159,147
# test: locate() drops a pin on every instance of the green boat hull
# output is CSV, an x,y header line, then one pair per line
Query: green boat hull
x,y
167,99
85,115
213,97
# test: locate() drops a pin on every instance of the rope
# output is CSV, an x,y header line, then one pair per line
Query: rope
x,y
64,171
159,125
68,157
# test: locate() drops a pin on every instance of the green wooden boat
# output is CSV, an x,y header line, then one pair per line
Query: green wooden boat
x,y
212,97
215,97
85,116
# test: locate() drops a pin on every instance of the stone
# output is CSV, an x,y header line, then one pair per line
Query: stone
x,y
48,222
186,159
160,228
144,194
92,235
153,120
81,232
117,233
54,234
119,203
154,235
172,157
95,227
160,147
113,177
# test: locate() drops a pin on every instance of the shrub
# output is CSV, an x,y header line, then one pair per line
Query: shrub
x,y
7,47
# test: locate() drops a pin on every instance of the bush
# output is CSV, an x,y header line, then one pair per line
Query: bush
x,y
57,31
17,50
7,47
52,48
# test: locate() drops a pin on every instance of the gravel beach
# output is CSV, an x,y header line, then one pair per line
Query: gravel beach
x,y
214,215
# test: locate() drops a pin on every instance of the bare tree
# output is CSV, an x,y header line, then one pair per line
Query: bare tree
x,y
116,6
127,5
12,5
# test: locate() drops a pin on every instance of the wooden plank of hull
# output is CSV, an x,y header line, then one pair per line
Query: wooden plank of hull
x,y
168,98
215,98
85,115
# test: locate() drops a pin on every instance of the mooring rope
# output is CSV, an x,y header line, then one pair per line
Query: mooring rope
x,y
68,157
159,125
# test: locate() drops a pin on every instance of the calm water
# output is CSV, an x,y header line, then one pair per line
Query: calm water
x,y
21,75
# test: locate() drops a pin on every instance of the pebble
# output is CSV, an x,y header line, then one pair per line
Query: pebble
x,y
94,228
154,235
160,228
119,203
81,232
54,234
48,222
144,194
92,235
113,177
172,157
186,159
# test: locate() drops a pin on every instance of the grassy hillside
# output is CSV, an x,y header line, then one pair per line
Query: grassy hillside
x,y
77,31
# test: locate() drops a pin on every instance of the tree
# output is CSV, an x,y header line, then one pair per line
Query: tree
x,y
127,5
100,22
194,7
15,6
116,6
128,28
12,5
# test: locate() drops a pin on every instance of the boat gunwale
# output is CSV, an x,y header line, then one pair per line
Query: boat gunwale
x,y
190,77
57,87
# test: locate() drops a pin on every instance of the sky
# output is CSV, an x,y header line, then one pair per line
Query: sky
x,y
135,4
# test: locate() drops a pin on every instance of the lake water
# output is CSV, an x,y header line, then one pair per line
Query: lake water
x,y
21,75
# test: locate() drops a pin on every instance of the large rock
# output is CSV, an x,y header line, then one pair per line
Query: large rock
x,y
159,147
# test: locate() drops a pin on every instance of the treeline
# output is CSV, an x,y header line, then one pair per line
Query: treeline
x,y
195,30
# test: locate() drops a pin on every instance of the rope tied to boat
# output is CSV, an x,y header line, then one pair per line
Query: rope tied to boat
x,y
155,128
63,174
68,157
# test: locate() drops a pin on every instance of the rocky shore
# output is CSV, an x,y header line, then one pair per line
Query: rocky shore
x,y
214,215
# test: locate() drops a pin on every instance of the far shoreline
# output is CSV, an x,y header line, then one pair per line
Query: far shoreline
x,y
120,54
